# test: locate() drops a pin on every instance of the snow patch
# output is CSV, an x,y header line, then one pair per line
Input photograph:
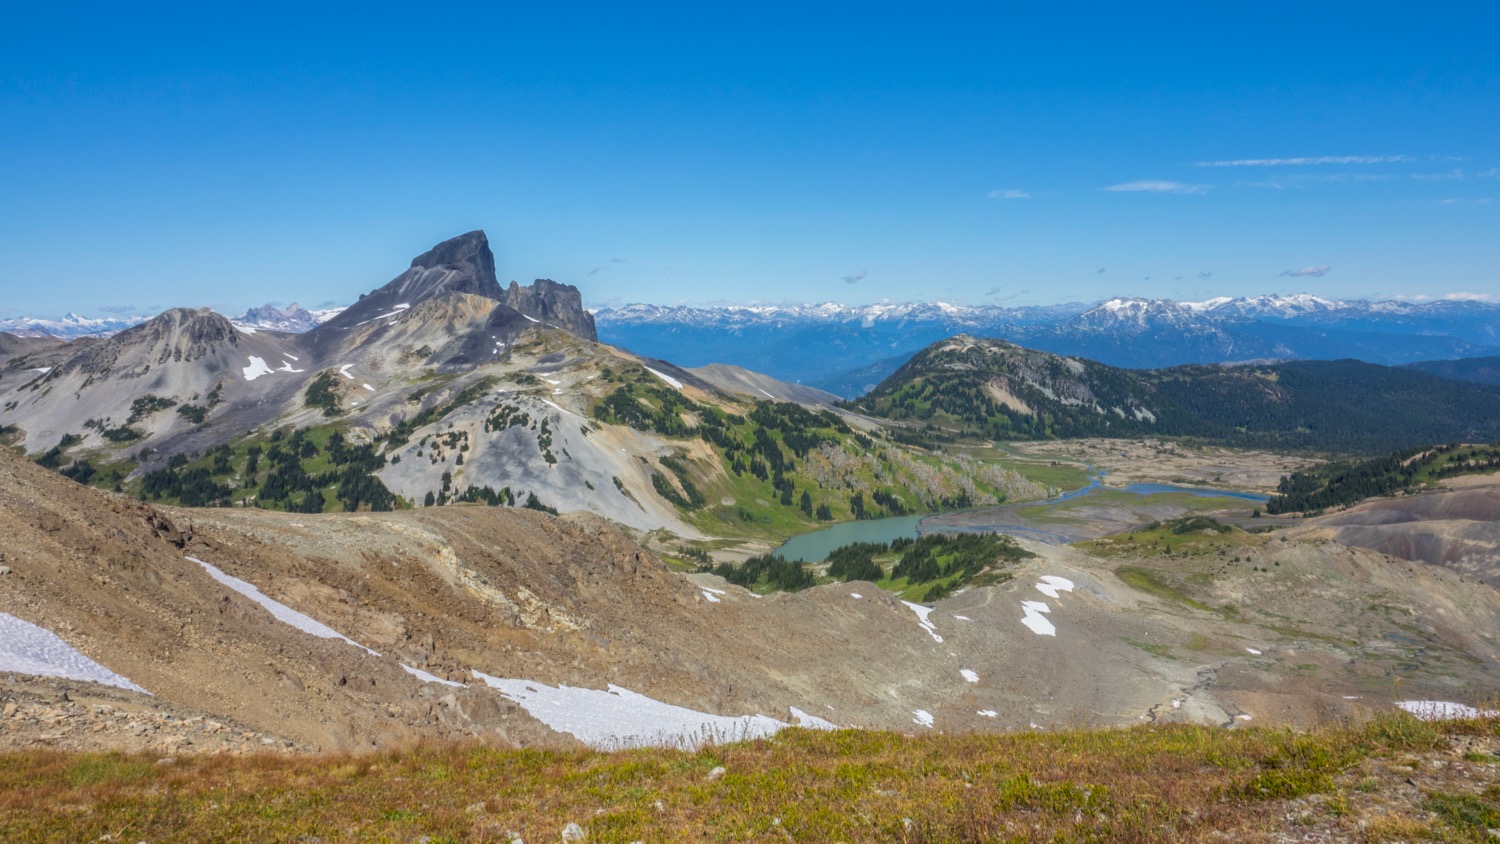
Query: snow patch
x,y
923,719
969,674
282,612
368,387
1035,619
665,377
811,722
1052,584
1443,710
963,618
989,713
286,366
344,371
1253,651
42,369
766,394
530,317
256,368
26,648
922,619
619,718
431,678
855,595
243,328
712,598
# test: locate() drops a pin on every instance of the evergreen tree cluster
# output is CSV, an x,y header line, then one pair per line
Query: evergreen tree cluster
x,y
1345,482
767,572
856,561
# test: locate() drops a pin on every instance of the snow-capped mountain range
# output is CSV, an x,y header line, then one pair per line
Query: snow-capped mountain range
x,y
848,348
293,319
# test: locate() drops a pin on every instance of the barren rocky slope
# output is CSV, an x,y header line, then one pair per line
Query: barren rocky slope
x,y
1456,527
1285,632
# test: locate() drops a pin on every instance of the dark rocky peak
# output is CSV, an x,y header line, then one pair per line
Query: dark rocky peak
x,y
558,305
469,253
463,264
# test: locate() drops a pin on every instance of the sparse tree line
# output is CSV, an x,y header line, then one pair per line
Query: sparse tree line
x,y
1345,482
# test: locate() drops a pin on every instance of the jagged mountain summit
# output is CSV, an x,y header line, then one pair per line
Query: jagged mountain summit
x,y
460,265
438,347
293,319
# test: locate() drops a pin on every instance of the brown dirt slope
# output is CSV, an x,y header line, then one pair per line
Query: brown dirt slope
x,y
1145,635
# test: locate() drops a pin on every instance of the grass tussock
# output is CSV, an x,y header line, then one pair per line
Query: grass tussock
x,y
1168,783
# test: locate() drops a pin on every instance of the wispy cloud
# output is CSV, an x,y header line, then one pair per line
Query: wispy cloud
x,y
1157,186
1206,275
1314,272
1010,193
1305,161
856,278
119,309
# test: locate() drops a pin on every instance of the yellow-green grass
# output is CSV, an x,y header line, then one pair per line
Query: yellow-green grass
x,y
1169,783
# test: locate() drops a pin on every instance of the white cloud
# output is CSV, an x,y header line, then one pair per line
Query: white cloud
x,y
1298,162
1315,272
1009,194
1157,186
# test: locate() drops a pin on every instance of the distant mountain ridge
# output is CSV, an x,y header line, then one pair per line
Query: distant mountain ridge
x,y
847,349
999,390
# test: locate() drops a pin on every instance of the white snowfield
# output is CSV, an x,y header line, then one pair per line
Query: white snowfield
x,y
431,678
665,377
1034,612
1035,619
282,612
1052,584
26,648
619,718
922,618
1442,710
396,311
811,722
256,368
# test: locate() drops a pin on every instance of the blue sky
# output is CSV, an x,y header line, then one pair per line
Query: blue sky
x,y
1014,155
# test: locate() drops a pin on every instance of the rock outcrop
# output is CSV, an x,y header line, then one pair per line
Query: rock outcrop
x,y
558,305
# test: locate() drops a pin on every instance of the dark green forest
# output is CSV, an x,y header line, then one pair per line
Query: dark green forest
x,y
997,390
1345,482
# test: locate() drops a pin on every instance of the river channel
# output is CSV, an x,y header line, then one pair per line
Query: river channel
x,y
815,546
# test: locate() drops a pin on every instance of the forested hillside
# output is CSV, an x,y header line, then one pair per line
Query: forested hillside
x,y
1341,483
998,390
